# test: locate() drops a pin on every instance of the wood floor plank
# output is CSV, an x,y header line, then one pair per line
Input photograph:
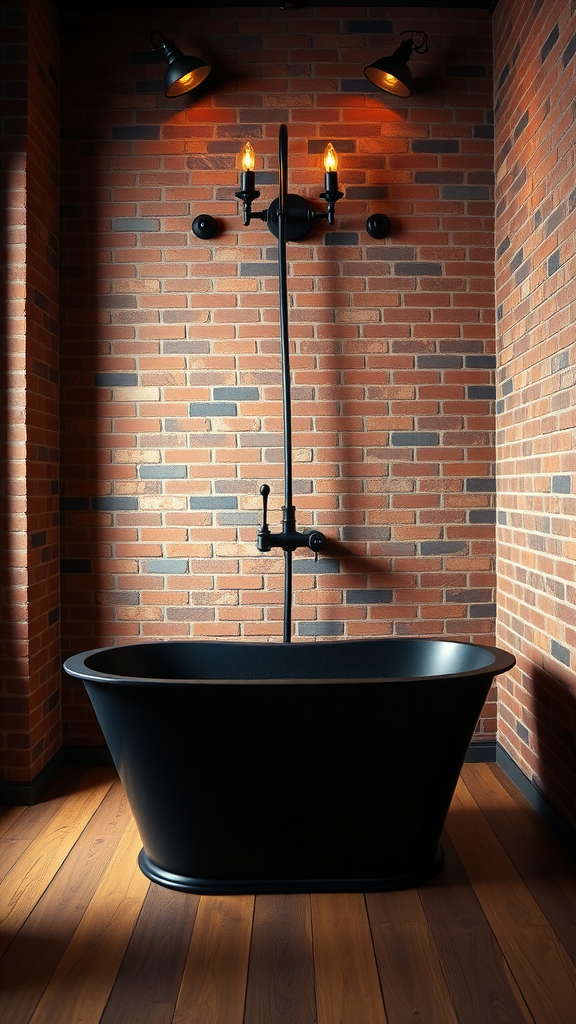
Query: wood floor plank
x,y
33,871
538,961
556,858
8,818
412,979
33,956
504,817
214,982
28,825
280,986
147,985
79,988
347,981
479,983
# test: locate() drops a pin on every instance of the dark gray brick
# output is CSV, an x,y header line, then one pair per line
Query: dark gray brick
x,y
258,269
213,409
561,485
439,362
435,145
504,245
341,238
480,485
560,652
483,611
517,260
369,596
522,732
481,391
38,540
115,380
480,362
483,131
550,42
485,516
521,125
111,503
238,394
210,502
414,438
508,387
439,177
320,628
468,595
554,263
309,566
443,547
418,269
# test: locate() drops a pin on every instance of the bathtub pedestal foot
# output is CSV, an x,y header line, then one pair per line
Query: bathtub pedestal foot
x,y
254,886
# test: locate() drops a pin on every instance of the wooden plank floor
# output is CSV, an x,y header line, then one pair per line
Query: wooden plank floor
x,y
86,939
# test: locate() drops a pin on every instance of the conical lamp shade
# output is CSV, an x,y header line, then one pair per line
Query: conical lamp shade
x,y
392,73
183,74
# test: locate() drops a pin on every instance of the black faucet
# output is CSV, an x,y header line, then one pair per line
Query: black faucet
x,y
289,537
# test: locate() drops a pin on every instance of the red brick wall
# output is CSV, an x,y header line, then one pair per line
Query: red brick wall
x,y
535,76
171,403
30,646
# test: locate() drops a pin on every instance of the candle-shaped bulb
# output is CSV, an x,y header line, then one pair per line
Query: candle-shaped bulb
x,y
330,169
248,157
330,158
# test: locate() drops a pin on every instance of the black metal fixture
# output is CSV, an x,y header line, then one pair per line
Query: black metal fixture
x,y
183,73
298,215
392,74
378,225
289,538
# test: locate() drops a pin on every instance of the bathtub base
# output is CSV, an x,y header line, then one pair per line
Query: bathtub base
x,y
255,886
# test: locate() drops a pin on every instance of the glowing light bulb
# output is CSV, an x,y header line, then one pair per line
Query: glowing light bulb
x,y
248,157
330,158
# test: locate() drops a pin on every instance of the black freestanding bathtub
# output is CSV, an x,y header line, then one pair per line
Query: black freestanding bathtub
x,y
322,767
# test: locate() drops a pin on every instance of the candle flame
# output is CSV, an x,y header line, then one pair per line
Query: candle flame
x,y
330,158
248,157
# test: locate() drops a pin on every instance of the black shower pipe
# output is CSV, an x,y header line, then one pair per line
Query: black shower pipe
x,y
289,520
289,537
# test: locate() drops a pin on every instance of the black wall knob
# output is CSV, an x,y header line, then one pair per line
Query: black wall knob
x,y
204,226
378,225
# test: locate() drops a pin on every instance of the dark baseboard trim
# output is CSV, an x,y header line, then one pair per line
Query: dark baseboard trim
x,y
562,829
18,794
480,752
25,794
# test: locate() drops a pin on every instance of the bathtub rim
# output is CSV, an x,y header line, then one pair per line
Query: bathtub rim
x,y
75,665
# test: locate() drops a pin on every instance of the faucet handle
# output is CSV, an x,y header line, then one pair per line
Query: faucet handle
x,y
264,491
263,543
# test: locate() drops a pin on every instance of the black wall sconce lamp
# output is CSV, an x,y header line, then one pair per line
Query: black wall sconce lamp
x,y
300,216
392,74
183,73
